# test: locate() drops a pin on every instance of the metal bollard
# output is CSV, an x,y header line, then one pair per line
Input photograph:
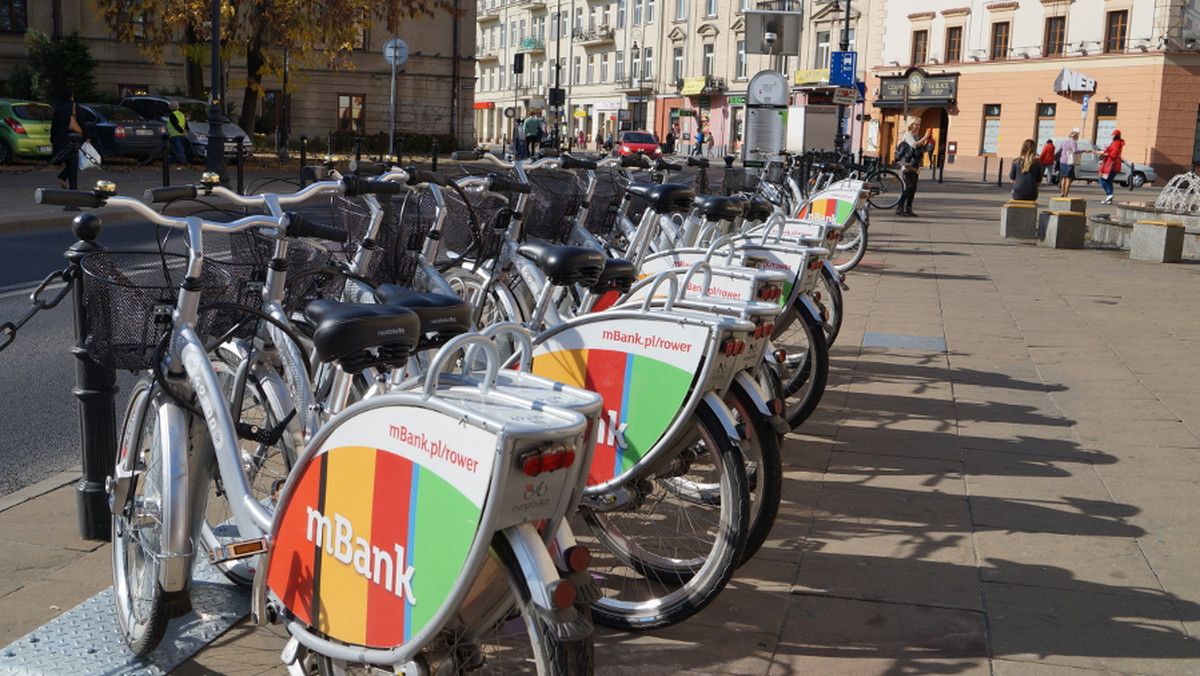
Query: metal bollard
x,y
239,157
985,173
166,159
1000,171
303,158
358,143
96,390
433,152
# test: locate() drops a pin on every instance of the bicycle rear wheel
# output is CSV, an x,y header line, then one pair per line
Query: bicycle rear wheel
x,y
137,531
829,302
885,188
805,365
764,468
850,246
666,555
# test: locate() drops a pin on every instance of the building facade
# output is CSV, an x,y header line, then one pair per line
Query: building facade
x,y
985,76
434,86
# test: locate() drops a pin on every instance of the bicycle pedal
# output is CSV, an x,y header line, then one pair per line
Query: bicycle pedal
x,y
238,550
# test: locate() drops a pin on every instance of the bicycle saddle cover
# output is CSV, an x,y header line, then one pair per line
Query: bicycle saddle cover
x,y
344,331
759,210
717,208
442,317
618,275
668,198
565,264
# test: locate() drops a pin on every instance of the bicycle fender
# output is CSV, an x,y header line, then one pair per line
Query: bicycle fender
x,y
836,276
713,400
536,568
759,399
176,549
806,304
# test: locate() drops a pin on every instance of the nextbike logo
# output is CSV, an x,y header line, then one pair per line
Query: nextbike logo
x,y
379,566
645,341
436,449
534,496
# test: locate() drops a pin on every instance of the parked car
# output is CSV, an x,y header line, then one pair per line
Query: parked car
x,y
633,142
117,131
196,111
25,131
1089,166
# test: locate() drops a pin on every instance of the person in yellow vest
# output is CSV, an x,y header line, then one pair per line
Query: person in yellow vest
x,y
177,130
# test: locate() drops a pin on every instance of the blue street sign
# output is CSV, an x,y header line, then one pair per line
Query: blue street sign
x,y
1086,99
843,68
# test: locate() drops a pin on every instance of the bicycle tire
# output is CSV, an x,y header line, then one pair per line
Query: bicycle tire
x,y
830,304
804,370
851,246
266,466
886,187
496,304
668,555
140,601
764,468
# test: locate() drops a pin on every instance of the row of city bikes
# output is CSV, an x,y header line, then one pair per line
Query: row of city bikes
x,y
442,424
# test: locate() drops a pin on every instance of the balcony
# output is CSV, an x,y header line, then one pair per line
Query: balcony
x,y
631,85
695,86
533,5
532,45
483,54
593,37
488,15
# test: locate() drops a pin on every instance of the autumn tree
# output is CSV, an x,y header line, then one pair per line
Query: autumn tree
x,y
314,32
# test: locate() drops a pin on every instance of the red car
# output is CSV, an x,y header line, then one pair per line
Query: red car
x,y
633,142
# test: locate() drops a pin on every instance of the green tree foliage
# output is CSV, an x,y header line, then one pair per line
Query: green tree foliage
x,y
59,65
314,32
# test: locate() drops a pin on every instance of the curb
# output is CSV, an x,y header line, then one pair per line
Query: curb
x,y
37,490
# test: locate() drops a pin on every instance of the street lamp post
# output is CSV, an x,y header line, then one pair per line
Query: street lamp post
x,y
840,138
215,161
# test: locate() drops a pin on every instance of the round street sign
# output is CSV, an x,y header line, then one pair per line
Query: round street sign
x,y
395,51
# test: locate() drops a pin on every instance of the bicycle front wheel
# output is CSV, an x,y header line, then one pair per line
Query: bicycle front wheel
x,y
137,530
850,246
804,367
764,468
885,188
667,554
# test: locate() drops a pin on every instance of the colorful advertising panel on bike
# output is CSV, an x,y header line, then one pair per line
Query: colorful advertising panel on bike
x,y
835,204
373,534
644,370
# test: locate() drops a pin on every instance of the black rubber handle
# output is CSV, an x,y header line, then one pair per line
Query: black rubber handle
x,y
697,161
67,198
503,184
572,162
355,186
416,176
169,193
548,152
466,155
300,226
635,161
366,167
663,165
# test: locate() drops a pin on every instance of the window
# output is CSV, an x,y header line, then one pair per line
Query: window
x,y
621,13
1045,123
1115,32
709,60
1106,122
710,8
619,66
578,20
990,141
591,65
822,60
554,26
563,19
352,115
677,64
578,70
742,66
124,90
649,11
513,33
648,63
604,67
637,12
848,39
680,10
953,44
920,47
999,41
12,16
1056,36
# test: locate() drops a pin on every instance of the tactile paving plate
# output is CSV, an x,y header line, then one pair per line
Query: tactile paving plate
x,y
85,641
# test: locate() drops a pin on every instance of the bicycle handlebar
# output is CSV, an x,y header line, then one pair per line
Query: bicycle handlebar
x,y
298,225
68,198
698,162
84,198
500,184
416,176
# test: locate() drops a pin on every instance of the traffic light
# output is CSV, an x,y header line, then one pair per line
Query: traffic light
x,y
558,96
518,63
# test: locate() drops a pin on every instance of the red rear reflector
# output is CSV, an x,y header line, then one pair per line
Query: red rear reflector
x,y
814,265
577,558
562,593
835,235
547,459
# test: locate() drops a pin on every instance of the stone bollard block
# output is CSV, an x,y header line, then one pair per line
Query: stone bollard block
x,y
1018,218
1076,204
1062,230
1157,241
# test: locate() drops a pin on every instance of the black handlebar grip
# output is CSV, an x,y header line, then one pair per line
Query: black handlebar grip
x,y
67,198
365,167
501,184
548,152
635,161
572,162
169,193
466,155
353,186
663,165
301,226
416,176
697,161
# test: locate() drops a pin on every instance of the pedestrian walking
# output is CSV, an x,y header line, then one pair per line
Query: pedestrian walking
x,y
66,135
698,143
669,145
1026,172
1046,159
533,134
909,153
177,132
1068,159
1110,164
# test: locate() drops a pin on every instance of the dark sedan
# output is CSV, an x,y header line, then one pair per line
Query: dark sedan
x,y
117,131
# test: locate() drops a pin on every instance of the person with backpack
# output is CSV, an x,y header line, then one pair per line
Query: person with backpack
x,y
909,152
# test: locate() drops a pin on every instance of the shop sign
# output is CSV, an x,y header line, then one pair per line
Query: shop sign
x,y
687,113
580,113
485,105
812,76
1072,81
737,100
608,105
930,90
623,115
693,85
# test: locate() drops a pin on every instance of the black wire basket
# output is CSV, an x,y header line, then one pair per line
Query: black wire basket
x,y
129,297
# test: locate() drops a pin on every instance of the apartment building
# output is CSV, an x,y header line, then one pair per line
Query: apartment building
x,y
988,75
645,64
434,86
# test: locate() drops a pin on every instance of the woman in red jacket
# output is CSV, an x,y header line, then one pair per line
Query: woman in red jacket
x,y
1110,164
